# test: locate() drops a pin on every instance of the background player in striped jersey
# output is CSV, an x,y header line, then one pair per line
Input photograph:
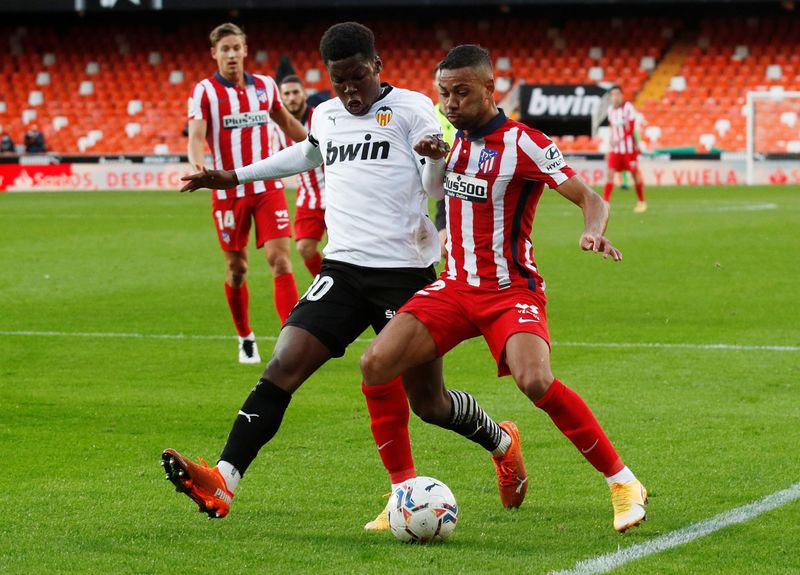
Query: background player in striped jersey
x,y
381,249
309,216
230,110
623,155
493,178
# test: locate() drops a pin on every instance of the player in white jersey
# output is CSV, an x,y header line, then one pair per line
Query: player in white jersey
x,y
381,250
623,156
230,111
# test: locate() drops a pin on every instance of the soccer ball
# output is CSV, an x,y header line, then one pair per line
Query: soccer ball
x,y
421,510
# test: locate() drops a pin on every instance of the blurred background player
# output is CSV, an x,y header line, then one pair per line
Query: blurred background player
x,y
230,110
448,135
623,155
309,216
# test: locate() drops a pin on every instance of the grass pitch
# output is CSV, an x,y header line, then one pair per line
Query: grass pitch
x,y
84,416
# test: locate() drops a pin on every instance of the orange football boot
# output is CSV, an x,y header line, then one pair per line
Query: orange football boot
x,y
202,483
512,479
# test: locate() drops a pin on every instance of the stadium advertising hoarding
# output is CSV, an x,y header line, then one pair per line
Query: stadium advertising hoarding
x,y
160,173
560,109
106,175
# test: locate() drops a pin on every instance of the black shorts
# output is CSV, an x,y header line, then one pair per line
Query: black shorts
x,y
345,299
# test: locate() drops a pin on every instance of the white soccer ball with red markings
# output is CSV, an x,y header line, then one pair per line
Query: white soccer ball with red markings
x,y
422,510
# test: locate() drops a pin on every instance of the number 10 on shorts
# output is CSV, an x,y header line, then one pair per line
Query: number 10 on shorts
x,y
225,219
318,288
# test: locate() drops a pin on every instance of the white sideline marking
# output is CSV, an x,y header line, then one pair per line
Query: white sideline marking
x,y
730,346
619,344
610,561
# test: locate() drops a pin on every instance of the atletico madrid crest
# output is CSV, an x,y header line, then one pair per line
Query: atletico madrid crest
x,y
383,115
486,160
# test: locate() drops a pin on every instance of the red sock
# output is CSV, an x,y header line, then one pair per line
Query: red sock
x,y
607,191
575,420
238,299
388,412
314,264
285,295
640,191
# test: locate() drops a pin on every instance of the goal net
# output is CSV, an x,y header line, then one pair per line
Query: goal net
x,y
773,127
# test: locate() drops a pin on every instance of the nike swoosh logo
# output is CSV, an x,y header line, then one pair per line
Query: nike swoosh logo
x,y
249,416
382,445
281,226
584,451
523,320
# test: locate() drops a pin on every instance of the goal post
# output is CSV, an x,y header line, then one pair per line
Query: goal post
x,y
772,126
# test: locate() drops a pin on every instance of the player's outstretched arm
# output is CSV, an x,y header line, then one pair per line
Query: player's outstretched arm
x,y
435,149
288,162
595,217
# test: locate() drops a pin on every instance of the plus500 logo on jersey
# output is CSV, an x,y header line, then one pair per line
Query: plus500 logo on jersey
x,y
366,150
466,187
244,120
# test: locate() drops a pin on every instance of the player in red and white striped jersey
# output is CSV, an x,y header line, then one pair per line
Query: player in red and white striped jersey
x,y
309,216
492,179
230,111
624,153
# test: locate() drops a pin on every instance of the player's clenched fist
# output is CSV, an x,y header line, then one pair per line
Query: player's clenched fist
x,y
211,179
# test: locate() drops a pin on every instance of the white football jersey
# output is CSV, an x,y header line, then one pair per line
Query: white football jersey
x,y
376,208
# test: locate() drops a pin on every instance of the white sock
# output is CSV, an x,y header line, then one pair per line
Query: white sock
x,y
625,475
505,443
230,474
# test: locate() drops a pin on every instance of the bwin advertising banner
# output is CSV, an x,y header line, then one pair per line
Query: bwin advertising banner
x,y
562,109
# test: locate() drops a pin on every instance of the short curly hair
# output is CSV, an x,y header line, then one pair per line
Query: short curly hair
x,y
346,40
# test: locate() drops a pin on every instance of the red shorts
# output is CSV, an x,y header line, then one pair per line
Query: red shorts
x,y
623,162
233,218
309,223
453,311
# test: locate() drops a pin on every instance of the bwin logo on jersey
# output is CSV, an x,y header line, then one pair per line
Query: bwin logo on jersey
x,y
365,150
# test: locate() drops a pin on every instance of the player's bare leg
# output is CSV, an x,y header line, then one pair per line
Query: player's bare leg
x,y
238,301
308,248
528,358
641,204
405,346
276,251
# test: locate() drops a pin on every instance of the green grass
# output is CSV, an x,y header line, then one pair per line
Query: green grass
x,y
84,419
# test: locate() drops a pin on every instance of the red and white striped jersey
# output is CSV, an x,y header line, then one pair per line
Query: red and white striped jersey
x,y
493,181
310,184
623,125
237,120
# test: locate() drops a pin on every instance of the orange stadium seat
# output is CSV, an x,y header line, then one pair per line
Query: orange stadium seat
x,y
134,75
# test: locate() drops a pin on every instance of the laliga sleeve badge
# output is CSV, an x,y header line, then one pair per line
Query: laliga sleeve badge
x,y
384,115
